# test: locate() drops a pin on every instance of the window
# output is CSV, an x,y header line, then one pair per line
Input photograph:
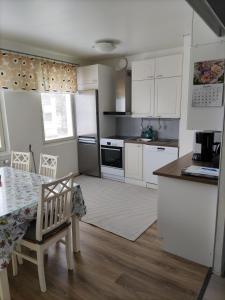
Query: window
x,y
57,116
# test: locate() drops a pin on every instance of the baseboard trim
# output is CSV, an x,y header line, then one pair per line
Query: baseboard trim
x,y
152,186
205,284
135,182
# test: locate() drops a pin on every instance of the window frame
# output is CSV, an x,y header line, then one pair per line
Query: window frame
x,y
69,138
2,129
2,135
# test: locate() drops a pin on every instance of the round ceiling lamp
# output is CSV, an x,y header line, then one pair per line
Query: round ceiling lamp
x,y
104,46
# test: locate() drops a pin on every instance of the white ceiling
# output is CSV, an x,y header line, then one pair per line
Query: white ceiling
x,y
72,26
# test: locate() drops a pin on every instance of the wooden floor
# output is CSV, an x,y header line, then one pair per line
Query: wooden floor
x,y
110,267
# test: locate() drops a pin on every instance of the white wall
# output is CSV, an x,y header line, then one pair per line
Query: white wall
x,y
186,136
205,118
26,48
24,126
219,253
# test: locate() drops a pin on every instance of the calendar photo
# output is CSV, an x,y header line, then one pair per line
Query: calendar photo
x,y
209,72
208,83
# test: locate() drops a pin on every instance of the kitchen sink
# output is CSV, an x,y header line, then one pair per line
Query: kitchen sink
x,y
143,140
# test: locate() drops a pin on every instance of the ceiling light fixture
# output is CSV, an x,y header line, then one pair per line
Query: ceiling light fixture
x,y
104,46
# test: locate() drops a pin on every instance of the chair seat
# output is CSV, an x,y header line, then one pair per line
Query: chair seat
x,y
30,235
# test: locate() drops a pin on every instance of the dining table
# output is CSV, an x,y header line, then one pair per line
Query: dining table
x,y
19,195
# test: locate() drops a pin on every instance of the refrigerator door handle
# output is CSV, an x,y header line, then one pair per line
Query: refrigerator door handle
x,y
87,140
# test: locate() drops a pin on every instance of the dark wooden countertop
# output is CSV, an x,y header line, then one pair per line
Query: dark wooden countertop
x,y
174,169
163,143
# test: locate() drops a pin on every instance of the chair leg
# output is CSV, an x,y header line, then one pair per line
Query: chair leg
x,y
69,250
4,285
41,271
14,264
18,248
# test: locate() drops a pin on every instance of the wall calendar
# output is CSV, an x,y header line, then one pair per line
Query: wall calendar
x,y
208,83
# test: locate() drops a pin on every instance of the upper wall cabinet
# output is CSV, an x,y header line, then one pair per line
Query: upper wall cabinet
x,y
168,66
143,98
144,69
167,97
158,78
87,77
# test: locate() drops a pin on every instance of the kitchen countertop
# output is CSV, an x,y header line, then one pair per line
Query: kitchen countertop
x,y
173,170
163,142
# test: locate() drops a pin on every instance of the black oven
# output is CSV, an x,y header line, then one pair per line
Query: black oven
x,y
112,156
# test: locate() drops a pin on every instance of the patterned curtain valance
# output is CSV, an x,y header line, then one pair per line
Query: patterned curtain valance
x,y
19,72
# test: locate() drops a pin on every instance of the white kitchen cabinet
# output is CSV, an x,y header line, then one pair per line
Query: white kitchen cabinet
x,y
133,161
167,97
187,218
87,77
143,98
144,69
168,66
155,157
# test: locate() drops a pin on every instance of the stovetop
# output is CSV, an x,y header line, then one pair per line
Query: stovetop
x,y
117,137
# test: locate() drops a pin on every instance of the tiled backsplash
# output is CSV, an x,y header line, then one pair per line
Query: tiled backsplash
x,y
166,128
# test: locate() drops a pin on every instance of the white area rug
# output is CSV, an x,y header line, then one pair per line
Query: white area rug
x,y
123,209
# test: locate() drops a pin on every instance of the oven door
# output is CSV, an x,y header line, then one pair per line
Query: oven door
x,y
112,156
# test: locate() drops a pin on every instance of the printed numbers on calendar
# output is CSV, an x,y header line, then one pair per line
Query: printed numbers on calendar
x,y
209,95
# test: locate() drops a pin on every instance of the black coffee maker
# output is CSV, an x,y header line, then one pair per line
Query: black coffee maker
x,y
204,146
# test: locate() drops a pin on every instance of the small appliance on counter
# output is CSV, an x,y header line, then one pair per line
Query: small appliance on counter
x,y
149,133
205,149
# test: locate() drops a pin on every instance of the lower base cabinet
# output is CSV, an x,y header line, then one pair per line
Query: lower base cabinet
x,y
134,161
155,157
142,160
187,218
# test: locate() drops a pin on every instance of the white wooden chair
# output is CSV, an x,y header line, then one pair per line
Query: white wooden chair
x,y
53,223
21,160
48,165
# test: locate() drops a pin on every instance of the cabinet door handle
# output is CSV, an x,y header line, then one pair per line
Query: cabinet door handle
x,y
161,148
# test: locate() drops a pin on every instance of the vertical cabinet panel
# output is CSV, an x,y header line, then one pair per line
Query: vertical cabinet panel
x,y
144,69
133,161
168,66
143,97
167,97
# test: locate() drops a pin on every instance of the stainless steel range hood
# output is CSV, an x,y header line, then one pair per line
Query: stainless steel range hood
x,y
212,12
123,94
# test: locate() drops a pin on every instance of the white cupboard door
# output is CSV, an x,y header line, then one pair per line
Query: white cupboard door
x,y
155,157
168,97
144,69
143,98
168,66
133,161
87,77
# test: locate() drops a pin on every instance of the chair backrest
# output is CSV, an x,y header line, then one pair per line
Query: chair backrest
x,y
21,160
48,165
54,206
